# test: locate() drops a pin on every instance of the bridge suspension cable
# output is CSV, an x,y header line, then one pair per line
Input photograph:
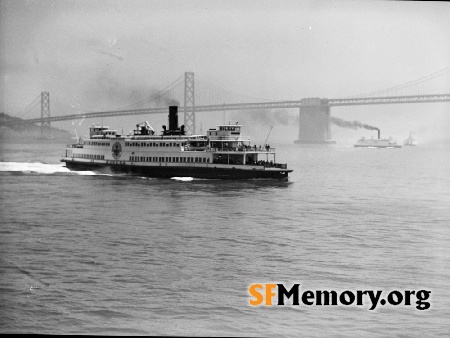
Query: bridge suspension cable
x,y
209,94
163,94
32,105
430,79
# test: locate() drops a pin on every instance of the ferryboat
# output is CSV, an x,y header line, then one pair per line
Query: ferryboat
x,y
377,143
220,154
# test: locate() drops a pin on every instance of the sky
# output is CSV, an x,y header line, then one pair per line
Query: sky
x,y
96,55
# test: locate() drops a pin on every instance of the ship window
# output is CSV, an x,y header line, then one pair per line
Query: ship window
x,y
178,159
142,158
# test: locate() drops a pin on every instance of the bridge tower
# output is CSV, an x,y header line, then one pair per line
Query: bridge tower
x,y
314,122
45,114
189,102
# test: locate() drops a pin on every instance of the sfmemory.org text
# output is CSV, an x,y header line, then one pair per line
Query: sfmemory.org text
x,y
263,294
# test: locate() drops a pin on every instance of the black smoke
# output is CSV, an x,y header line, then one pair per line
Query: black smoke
x,y
271,117
351,124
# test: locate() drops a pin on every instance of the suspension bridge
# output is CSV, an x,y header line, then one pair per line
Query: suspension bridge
x,y
314,113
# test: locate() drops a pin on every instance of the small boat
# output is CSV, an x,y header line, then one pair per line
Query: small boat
x,y
377,143
410,141
220,154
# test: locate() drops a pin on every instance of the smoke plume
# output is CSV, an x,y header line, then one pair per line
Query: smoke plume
x,y
351,124
271,117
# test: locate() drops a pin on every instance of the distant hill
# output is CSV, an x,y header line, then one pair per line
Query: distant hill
x,y
28,132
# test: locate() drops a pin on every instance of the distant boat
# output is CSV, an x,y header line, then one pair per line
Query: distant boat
x,y
377,143
410,141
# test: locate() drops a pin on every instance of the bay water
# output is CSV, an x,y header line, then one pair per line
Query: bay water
x,y
97,253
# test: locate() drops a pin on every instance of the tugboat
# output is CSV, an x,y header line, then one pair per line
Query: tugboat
x,y
377,143
220,154
410,141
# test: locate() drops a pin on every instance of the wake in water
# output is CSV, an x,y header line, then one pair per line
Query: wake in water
x,y
40,168
185,179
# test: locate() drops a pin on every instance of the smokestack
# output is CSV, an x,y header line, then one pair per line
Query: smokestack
x,y
378,133
173,117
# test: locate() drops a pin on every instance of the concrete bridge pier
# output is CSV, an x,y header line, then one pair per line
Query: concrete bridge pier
x,y
314,122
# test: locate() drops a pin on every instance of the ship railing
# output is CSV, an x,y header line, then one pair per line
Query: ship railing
x,y
270,164
249,149
265,164
229,138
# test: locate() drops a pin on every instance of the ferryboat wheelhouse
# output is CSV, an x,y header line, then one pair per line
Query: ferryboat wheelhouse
x,y
222,153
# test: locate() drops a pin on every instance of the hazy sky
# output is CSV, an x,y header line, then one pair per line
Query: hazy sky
x,y
100,55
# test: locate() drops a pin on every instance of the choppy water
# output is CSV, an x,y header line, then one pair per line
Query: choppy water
x,y
103,254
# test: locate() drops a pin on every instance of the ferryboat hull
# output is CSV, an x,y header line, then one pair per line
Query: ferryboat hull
x,y
165,171
377,146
